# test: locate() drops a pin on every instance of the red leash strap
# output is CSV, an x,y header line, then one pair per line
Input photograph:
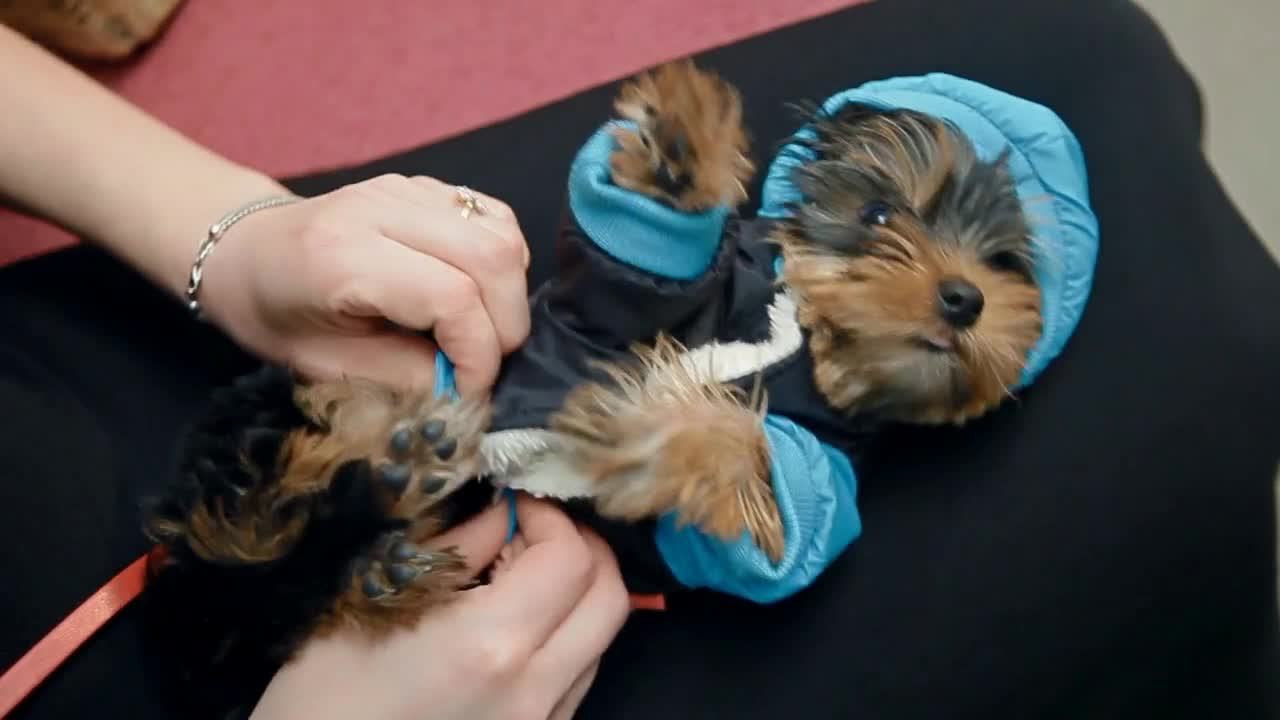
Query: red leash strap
x,y
53,649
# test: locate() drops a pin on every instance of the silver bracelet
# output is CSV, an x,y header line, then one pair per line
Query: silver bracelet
x,y
216,231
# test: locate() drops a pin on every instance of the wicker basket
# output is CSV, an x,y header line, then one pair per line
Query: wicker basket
x,y
89,29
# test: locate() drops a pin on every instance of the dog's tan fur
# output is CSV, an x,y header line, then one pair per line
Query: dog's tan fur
x,y
445,573
660,438
358,417
353,420
891,302
689,121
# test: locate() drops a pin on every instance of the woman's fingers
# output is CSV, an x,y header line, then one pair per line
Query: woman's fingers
x,y
585,634
465,331
545,582
568,705
501,219
419,292
478,540
491,212
548,616
395,358
487,246
395,250
556,605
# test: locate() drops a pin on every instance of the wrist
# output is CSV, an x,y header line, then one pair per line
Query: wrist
x,y
189,228
216,232
157,224
236,282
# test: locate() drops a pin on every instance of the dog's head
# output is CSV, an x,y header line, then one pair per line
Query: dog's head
x,y
912,263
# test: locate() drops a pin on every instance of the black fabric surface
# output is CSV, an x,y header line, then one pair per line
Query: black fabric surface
x,y
1105,547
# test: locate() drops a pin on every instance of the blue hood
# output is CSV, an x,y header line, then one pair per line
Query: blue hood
x,y
1048,170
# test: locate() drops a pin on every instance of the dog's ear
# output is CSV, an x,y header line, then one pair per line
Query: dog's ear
x,y
1001,165
831,128
856,112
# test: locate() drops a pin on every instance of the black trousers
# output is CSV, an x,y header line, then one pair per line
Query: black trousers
x,y
1104,547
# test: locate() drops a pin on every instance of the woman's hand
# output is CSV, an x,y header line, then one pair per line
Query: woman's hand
x,y
526,646
332,285
347,283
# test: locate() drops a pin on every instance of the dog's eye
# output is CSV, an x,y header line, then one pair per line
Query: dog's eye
x,y
1009,261
876,213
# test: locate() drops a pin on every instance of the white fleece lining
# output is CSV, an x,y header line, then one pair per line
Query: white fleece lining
x,y
527,459
726,362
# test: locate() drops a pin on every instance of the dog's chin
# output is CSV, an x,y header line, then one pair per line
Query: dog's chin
x,y
921,374
933,379
926,383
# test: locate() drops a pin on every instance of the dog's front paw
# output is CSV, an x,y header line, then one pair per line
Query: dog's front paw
x,y
688,148
661,439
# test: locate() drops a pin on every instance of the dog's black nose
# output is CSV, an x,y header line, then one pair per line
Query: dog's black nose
x,y
960,302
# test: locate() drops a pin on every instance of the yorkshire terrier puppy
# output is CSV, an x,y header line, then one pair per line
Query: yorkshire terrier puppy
x,y
913,265
900,290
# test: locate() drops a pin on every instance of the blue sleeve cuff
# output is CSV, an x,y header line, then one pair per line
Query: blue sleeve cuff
x,y
634,228
816,491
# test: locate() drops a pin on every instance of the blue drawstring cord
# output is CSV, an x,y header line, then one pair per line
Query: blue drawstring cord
x,y
514,524
445,387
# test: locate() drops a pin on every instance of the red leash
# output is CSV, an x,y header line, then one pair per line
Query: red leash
x,y
53,649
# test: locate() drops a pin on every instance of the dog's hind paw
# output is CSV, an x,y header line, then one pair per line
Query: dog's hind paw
x,y
428,454
394,583
420,448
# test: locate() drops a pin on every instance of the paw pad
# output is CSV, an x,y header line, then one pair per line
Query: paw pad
x,y
402,551
433,484
446,449
395,476
410,447
401,575
372,587
401,442
391,567
433,430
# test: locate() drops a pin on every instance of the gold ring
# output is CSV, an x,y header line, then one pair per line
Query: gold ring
x,y
469,201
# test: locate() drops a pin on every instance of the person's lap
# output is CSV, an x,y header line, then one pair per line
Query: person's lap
x,y
1102,547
